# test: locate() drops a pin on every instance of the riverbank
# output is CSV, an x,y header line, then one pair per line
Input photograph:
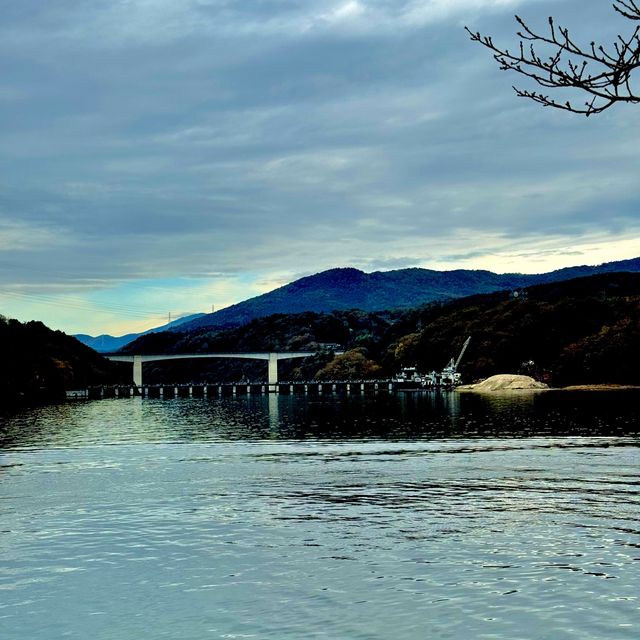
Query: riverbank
x,y
600,387
511,382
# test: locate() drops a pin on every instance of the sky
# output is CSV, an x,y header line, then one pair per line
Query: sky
x,y
173,156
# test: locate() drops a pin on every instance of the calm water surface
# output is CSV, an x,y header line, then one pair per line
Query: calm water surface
x,y
409,516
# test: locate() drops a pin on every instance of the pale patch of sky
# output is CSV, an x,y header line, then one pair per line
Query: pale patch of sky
x,y
545,254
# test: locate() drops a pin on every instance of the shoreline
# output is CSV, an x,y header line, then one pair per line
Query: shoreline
x,y
571,388
511,383
598,387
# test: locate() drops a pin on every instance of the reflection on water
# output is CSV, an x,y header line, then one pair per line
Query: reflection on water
x,y
340,417
411,516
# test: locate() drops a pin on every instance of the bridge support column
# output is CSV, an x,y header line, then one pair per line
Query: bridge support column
x,y
137,371
272,376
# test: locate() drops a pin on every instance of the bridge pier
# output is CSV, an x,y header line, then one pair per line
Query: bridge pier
x,y
272,374
137,371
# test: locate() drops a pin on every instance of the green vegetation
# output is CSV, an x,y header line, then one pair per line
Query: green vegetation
x,y
40,364
314,332
351,365
585,330
344,289
582,331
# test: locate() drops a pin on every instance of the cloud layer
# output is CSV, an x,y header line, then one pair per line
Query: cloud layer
x,y
210,141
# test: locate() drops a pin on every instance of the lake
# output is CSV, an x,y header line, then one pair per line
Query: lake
x,y
423,515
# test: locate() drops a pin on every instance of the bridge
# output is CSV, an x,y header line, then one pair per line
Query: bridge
x,y
272,358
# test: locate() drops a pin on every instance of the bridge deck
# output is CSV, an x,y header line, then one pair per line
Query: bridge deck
x,y
272,358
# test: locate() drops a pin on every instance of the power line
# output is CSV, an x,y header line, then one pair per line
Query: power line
x,y
80,305
58,272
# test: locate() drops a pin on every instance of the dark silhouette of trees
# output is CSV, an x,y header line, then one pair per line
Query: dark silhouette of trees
x,y
604,74
39,364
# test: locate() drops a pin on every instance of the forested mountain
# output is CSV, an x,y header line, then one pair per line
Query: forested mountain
x,y
341,289
585,330
40,364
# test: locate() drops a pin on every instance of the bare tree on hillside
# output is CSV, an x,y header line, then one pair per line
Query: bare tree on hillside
x,y
604,74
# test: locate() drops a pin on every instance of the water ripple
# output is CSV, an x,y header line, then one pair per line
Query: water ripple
x,y
345,518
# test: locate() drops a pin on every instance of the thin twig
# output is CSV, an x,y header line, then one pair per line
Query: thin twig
x,y
603,74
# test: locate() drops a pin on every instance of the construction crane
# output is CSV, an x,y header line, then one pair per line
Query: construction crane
x,y
450,375
464,348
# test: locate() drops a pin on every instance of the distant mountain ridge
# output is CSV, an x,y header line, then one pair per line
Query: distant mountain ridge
x,y
349,288
106,344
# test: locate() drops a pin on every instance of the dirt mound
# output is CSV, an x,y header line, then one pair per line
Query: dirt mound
x,y
505,382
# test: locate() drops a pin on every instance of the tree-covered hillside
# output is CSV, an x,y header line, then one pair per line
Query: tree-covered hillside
x,y
40,364
585,330
314,332
347,288
581,331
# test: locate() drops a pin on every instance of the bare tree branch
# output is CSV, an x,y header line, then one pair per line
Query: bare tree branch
x,y
603,74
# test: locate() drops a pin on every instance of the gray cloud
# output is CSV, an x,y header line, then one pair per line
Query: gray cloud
x,y
185,138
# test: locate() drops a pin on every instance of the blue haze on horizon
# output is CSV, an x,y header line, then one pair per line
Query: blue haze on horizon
x,y
170,155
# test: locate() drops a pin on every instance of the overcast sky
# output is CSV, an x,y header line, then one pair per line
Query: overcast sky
x,y
168,155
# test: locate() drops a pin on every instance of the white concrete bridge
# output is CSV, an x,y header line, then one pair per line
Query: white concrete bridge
x,y
272,359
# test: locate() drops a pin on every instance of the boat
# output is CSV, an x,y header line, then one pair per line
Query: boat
x,y
449,377
408,379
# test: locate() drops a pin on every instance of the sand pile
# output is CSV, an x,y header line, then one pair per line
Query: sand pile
x,y
505,382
